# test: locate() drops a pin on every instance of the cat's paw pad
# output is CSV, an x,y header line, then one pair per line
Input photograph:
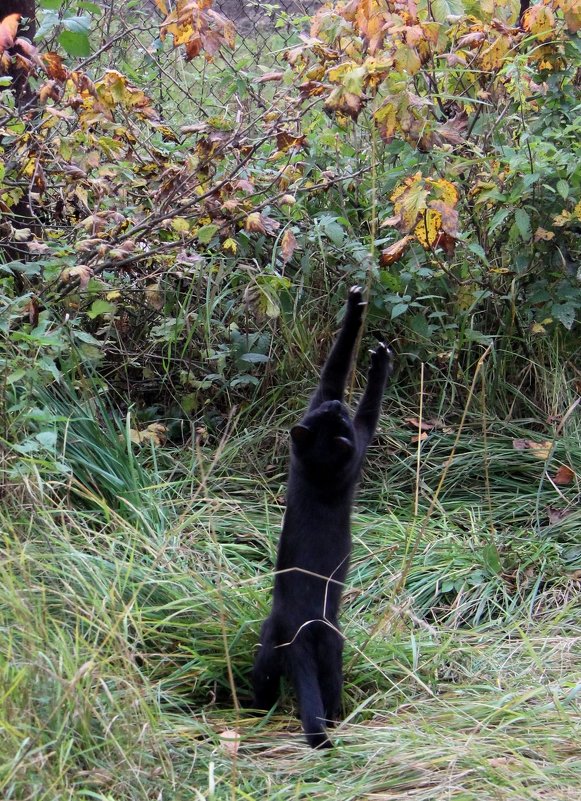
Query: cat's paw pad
x,y
356,296
381,357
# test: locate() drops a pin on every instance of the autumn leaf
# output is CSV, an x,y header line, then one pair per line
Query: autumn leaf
x,y
198,27
270,76
492,57
288,245
539,20
407,60
563,476
155,433
448,217
428,228
54,67
343,102
260,223
288,141
8,30
81,272
410,200
540,450
394,252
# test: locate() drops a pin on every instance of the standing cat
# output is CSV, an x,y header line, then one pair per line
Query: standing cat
x,y
301,637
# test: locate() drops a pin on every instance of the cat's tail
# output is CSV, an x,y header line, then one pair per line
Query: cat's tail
x,y
304,675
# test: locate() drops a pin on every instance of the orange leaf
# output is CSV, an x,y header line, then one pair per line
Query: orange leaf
x,y
286,140
8,30
394,252
288,245
563,476
54,67
540,21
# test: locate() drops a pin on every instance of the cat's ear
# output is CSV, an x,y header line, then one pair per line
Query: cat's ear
x,y
301,435
344,445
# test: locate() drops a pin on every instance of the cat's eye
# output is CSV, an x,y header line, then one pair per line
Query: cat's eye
x,y
343,444
301,435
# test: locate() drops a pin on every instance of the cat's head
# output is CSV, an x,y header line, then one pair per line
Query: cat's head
x,y
325,437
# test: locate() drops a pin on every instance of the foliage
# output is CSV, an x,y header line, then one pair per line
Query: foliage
x,y
433,157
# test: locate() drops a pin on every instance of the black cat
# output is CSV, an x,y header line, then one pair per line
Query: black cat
x,y
301,637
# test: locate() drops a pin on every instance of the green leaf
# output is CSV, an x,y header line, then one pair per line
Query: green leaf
x,y
478,250
80,24
52,4
490,558
398,310
75,44
565,313
335,233
206,233
101,307
523,223
12,378
563,189
254,358
498,219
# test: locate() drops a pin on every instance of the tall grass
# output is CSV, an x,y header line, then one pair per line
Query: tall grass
x,y
132,592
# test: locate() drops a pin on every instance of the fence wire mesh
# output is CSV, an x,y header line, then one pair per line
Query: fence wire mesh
x,y
127,36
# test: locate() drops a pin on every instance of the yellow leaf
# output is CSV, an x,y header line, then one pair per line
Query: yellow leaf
x,y
537,328
428,228
540,450
492,57
230,245
540,21
181,225
410,200
443,190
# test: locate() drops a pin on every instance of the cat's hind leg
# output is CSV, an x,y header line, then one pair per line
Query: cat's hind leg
x,y
330,673
267,670
304,676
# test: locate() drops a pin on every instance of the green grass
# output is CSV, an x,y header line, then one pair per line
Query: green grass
x,y
125,627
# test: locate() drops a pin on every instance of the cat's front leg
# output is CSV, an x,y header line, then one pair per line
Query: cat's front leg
x,y
368,411
336,369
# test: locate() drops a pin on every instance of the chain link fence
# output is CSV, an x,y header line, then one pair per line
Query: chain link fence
x,y
127,36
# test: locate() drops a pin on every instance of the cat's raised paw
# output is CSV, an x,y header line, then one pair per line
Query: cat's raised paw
x,y
356,296
382,356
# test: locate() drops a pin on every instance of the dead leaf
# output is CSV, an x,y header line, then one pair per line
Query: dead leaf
x,y
154,433
420,437
154,296
230,741
563,476
543,235
394,252
82,272
540,450
422,425
260,223
288,245
269,76
556,515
